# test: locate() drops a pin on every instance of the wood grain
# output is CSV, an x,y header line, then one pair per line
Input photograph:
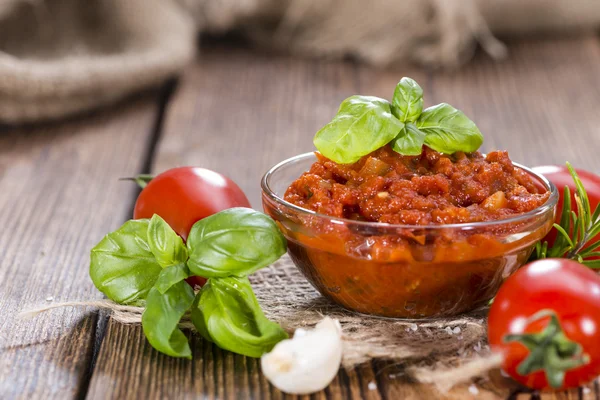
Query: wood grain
x,y
239,112
59,194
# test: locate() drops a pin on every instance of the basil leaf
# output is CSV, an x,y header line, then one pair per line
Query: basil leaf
x,y
227,313
237,241
408,100
362,125
170,276
161,318
122,265
166,245
448,130
410,141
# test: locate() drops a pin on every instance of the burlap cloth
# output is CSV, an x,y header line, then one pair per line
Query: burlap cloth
x,y
426,348
59,57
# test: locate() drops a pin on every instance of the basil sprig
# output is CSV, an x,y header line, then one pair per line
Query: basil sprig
x,y
122,264
448,130
226,312
166,245
234,242
145,262
407,100
363,124
161,318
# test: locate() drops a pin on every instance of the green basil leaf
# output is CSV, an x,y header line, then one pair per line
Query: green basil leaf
x,y
161,318
362,125
237,241
408,100
448,130
170,276
227,313
166,245
410,141
122,265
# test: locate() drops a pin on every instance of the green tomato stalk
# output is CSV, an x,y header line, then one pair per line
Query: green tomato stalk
x,y
550,351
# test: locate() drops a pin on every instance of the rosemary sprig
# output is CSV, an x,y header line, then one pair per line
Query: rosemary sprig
x,y
575,230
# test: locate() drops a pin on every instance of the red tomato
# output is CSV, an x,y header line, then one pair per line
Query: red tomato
x,y
572,292
196,282
560,176
182,196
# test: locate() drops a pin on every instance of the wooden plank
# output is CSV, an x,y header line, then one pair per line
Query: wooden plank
x,y
240,112
59,194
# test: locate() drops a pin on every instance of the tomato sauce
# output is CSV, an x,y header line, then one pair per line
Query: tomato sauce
x,y
432,188
412,271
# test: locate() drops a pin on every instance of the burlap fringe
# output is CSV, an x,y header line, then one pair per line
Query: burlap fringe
x,y
445,351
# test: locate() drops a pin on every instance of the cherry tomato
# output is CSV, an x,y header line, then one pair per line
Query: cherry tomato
x,y
560,176
541,296
196,282
182,196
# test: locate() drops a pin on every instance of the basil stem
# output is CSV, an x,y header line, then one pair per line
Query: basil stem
x,y
161,318
227,313
407,101
237,241
362,125
122,265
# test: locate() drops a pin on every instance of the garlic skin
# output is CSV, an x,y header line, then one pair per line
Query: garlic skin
x,y
308,362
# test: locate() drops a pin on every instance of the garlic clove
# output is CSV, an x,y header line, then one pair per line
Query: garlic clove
x,y
308,362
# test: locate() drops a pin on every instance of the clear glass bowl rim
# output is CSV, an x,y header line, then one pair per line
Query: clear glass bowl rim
x,y
541,210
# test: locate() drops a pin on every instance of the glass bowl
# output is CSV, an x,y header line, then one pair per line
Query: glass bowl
x,y
403,271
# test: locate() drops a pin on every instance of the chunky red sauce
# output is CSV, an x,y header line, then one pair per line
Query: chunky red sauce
x,y
432,188
412,272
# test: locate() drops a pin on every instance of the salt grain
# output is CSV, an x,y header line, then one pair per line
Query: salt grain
x,y
49,298
504,374
392,376
413,327
473,390
372,385
477,347
587,390
448,330
456,330
460,337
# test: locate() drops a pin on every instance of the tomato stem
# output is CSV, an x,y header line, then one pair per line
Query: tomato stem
x,y
551,350
142,179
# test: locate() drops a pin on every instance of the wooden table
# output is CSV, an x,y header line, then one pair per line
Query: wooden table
x,y
236,111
